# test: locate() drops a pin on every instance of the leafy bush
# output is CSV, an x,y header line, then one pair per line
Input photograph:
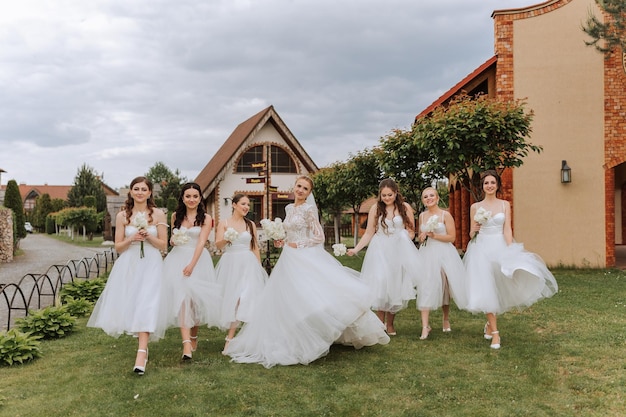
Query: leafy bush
x,y
18,347
78,307
90,290
52,322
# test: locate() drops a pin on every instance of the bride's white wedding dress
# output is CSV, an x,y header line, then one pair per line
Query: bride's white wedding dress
x,y
309,302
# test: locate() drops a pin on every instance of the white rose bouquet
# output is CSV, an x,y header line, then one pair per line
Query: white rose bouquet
x,y
141,223
430,226
274,230
179,237
481,217
339,249
231,235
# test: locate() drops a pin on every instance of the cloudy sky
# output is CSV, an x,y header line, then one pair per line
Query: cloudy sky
x,y
122,84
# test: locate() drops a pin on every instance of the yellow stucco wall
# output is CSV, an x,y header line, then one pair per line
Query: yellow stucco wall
x,y
562,80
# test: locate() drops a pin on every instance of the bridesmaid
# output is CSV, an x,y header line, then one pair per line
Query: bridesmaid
x,y
130,300
239,270
443,273
500,274
193,296
391,261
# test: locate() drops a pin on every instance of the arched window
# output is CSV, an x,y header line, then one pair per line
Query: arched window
x,y
281,161
251,156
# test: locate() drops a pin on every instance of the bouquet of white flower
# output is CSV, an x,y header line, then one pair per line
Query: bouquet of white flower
x,y
274,229
179,237
430,226
141,223
481,217
231,235
339,249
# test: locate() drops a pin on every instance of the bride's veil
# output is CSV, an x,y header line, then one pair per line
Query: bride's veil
x,y
311,200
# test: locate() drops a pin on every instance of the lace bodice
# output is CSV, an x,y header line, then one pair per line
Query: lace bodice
x,y
302,225
242,243
393,225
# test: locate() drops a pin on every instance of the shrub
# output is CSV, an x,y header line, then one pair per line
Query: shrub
x,y
78,307
52,322
90,290
18,347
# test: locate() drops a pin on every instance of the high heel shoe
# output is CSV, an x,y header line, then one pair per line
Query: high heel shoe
x,y
186,357
485,329
426,329
140,370
495,345
228,339
194,343
446,329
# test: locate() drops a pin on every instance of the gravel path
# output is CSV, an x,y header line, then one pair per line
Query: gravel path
x,y
39,253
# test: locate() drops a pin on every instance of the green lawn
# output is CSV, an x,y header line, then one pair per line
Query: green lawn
x,y
565,356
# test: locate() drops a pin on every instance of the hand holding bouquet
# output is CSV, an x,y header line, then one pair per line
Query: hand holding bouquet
x,y
179,237
231,235
141,223
430,226
481,217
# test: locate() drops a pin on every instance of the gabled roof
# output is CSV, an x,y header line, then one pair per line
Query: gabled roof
x,y
54,191
215,170
462,85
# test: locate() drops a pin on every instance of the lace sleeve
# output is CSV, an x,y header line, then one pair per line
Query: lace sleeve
x,y
315,231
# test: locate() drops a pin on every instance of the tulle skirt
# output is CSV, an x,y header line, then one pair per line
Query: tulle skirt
x,y
309,302
193,300
129,303
441,277
242,279
501,278
389,270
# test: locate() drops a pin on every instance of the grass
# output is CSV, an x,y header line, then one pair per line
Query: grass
x,y
78,240
564,356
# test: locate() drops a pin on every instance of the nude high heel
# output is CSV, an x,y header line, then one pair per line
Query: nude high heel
x,y
194,343
425,329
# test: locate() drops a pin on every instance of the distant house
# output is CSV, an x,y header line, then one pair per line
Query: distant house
x,y
578,98
262,159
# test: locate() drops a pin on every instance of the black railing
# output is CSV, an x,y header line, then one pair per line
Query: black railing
x,y
35,291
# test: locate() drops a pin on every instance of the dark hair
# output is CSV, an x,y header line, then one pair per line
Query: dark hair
x,y
249,223
181,208
381,210
491,173
130,202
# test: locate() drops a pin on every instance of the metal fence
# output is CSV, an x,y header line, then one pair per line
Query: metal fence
x,y
36,291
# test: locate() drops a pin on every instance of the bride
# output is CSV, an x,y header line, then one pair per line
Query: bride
x,y
310,301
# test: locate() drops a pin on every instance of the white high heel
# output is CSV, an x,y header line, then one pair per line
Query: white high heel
x,y
495,345
140,370
485,335
186,357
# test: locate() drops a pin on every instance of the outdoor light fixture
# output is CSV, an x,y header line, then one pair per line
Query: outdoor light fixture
x,y
566,172
226,200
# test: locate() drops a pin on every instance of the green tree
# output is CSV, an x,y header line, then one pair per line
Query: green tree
x,y
608,35
87,183
13,200
85,218
43,207
474,134
329,196
358,180
170,183
58,204
407,163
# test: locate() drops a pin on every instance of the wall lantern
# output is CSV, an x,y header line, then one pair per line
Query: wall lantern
x,y
566,172
226,200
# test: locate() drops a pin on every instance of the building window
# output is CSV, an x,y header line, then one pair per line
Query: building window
x,y
281,161
278,208
251,156
256,209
